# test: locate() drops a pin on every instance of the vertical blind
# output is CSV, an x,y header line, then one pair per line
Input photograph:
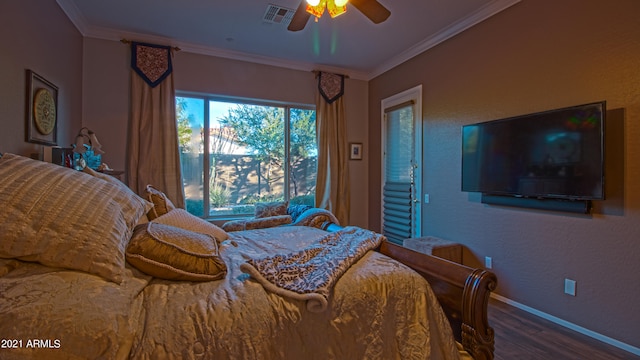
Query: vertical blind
x,y
397,193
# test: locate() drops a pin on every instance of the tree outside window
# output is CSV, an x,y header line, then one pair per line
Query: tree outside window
x,y
254,152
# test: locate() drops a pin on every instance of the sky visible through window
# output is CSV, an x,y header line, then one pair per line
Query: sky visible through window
x,y
217,110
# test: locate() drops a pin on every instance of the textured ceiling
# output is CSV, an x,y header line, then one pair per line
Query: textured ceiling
x,y
349,43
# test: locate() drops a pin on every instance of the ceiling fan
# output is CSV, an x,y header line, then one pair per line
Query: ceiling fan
x,y
372,9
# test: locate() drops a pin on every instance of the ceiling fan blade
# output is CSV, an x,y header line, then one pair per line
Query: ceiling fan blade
x,y
300,18
371,9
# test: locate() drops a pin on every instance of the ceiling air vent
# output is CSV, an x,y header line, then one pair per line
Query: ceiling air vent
x,y
278,15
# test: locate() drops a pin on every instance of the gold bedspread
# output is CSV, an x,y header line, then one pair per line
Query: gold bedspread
x,y
379,309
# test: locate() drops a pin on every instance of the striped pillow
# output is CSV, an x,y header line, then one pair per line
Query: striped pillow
x,y
64,218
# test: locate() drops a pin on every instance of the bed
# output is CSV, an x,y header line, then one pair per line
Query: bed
x,y
90,270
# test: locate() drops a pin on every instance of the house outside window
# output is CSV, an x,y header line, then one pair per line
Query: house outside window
x,y
234,154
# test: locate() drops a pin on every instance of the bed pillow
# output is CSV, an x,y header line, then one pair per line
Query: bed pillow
x,y
161,203
65,218
172,253
267,209
183,219
234,225
261,223
124,188
315,217
295,210
103,176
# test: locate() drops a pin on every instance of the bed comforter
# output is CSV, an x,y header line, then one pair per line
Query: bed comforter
x,y
378,309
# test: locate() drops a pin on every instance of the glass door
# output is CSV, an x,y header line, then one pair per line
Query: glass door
x,y
402,157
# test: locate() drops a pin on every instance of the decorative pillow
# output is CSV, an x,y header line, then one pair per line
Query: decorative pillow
x,y
315,217
295,210
171,253
261,223
271,209
234,225
64,218
161,203
184,220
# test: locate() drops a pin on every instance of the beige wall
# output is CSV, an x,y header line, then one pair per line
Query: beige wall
x,y
106,98
37,35
537,55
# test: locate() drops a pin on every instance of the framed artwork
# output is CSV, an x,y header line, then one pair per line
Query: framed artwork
x,y
356,151
41,110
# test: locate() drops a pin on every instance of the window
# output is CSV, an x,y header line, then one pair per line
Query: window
x,y
253,151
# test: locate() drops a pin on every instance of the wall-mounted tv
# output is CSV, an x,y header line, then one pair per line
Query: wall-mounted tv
x,y
556,154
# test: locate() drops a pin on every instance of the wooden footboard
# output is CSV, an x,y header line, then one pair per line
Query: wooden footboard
x,y
463,293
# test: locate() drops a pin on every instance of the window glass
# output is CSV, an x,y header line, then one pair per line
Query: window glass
x,y
190,118
254,153
303,155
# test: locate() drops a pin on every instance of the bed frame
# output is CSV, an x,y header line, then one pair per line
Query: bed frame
x,y
463,293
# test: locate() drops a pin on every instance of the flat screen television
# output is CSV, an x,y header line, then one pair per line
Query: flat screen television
x,y
556,154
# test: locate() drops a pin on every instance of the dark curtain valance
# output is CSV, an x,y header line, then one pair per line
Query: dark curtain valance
x,y
151,62
331,86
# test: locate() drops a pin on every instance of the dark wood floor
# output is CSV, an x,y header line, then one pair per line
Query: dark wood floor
x,y
520,335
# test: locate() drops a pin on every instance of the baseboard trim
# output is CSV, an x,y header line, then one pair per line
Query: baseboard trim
x,y
605,339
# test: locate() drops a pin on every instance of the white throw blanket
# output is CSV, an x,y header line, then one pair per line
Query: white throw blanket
x,y
309,274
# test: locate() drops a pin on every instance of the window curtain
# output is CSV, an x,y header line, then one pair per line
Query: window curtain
x,y
332,184
154,156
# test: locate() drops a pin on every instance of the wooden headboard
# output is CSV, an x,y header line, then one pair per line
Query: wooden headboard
x,y
463,293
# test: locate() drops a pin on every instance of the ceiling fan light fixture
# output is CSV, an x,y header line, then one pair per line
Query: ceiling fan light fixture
x,y
372,9
318,9
335,9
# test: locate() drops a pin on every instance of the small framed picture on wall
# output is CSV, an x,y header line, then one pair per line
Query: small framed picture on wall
x,y
356,151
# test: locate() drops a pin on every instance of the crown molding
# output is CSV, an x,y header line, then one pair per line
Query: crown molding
x,y
76,17
447,33
74,14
